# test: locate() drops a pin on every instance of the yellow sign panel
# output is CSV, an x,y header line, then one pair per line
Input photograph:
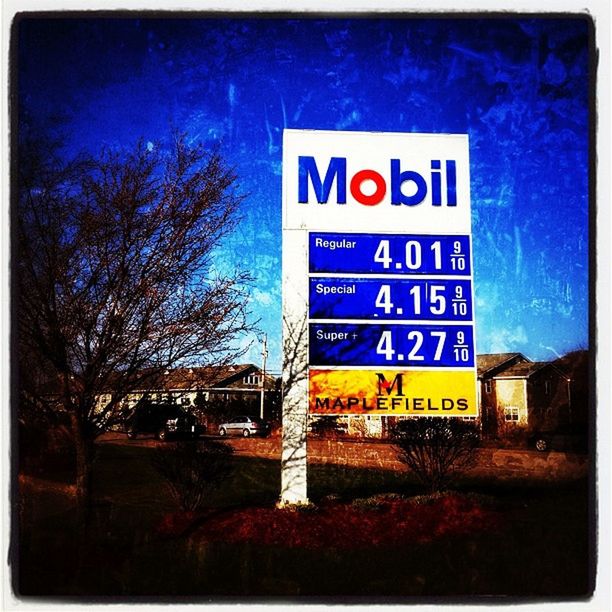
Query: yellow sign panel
x,y
393,392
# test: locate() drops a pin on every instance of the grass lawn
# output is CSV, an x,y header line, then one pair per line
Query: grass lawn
x,y
539,548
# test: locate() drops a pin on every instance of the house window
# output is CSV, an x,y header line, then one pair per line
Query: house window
x,y
251,379
185,401
488,386
547,387
511,414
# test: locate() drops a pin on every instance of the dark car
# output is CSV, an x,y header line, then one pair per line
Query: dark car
x,y
164,421
558,441
244,426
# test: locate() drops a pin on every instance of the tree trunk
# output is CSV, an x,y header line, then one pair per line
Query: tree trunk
x,y
84,449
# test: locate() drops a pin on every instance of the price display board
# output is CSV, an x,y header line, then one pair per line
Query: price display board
x,y
380,301
390,298
389,254
391,344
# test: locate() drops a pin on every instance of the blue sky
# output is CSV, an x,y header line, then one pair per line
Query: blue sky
x,y
518,88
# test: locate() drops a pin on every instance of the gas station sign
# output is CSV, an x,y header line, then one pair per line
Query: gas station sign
x,y
377,278
387,270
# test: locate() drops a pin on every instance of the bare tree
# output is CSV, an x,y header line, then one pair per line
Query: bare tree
x,y
114,273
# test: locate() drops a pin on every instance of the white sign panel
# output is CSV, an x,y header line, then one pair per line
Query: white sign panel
x,y
364,181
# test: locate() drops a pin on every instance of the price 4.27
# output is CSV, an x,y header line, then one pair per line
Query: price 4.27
x,y
427,346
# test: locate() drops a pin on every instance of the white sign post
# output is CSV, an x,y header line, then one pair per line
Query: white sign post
x,y
378,314
295,371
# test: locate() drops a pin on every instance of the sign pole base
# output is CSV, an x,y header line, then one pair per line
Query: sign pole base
x,y
294,490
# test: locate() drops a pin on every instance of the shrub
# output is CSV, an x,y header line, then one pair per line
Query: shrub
x,y
375,502
192,469
328,427
436,449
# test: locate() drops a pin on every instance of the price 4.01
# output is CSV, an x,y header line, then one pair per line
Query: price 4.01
x,y
419,255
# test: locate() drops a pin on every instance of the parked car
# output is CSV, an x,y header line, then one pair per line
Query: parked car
x,y
558,441
245,426
164,421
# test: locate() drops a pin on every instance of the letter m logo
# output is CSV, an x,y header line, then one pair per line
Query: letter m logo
x,y
336,170
384,384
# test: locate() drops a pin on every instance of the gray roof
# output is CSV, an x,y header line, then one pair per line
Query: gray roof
x,y
526,370
522,370
494,360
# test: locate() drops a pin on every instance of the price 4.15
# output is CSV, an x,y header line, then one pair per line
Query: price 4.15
x,y
422,299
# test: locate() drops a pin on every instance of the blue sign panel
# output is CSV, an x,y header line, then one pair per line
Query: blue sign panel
x,y
390,299
364,344
389,254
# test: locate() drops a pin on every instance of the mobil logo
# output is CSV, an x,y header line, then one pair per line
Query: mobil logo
x,y
369,187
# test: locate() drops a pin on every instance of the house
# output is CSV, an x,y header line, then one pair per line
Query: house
x,y
518,396
210,389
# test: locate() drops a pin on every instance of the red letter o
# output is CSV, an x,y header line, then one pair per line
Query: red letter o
x,y
377,196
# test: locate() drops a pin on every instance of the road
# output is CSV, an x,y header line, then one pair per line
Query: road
x,y
501,463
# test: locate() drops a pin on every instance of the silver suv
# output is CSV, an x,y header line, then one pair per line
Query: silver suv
x,y
244,426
